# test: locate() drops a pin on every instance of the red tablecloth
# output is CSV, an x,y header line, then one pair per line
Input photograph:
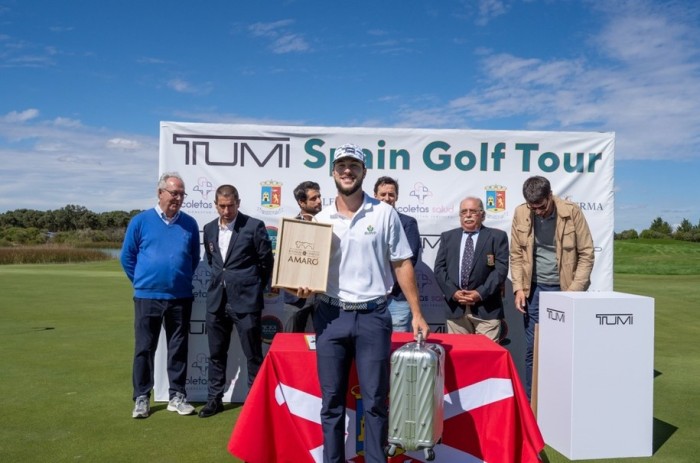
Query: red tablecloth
x,y
487,416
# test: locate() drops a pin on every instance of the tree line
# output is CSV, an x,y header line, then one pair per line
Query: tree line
x,y
71,224
77,224
660,229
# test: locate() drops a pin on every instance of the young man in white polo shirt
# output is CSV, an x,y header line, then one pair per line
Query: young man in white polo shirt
x,y
351,318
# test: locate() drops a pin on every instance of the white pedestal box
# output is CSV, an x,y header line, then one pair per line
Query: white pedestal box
x,y
596,373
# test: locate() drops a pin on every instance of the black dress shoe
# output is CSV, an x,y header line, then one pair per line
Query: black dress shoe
x,y
212,407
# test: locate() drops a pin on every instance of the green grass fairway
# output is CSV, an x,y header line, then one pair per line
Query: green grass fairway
x,y
66,337
66,340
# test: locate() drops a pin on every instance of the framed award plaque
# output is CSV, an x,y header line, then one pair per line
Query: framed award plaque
x,y
302,255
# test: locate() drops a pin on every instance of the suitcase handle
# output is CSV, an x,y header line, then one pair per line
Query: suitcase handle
x,y
420,340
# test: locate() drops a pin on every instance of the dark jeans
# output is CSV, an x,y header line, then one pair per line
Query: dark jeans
x,y
340,337
149,316
530,320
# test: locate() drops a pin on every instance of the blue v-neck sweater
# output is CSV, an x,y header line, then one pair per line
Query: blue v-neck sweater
x,y
161,258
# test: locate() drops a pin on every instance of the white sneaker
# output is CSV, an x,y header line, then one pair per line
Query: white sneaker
x,y
142,407
179,404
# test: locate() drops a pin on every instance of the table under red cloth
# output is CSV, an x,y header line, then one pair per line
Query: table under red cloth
x,y
487,415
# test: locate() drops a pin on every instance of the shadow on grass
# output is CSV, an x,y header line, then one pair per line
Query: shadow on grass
x,y
662,432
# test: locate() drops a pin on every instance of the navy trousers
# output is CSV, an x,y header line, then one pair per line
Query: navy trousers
x,y
149,315
340,337
219,328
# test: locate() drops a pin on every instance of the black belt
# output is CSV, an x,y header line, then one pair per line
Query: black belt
x,y
353,306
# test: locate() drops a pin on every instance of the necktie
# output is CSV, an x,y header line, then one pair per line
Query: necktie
x,y
467,260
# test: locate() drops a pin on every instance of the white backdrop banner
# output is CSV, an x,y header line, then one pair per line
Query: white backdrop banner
x,y
435,169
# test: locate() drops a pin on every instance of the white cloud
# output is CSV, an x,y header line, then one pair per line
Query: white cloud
x,y
75,163
281,39
183,86
288,43
123,144
650,79
269,29
489,9
66,122
21,116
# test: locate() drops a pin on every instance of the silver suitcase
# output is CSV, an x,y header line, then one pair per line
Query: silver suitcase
x,y
416,398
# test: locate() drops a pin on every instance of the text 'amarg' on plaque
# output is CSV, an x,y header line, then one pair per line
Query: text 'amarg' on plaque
x,y
302,255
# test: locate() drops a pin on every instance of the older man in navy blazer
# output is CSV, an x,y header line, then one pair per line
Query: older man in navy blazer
x,y
239,253
471,267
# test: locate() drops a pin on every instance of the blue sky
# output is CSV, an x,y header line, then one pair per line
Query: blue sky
x,y
84,84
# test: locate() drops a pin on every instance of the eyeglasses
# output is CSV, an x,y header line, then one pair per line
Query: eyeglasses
x,y
470,211
176,194
541,207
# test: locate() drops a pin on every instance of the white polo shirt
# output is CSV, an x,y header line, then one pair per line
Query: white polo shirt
x,y
362,250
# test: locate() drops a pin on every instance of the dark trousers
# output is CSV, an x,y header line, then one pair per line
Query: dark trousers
x,y
340,337
149,316
532,317
219,328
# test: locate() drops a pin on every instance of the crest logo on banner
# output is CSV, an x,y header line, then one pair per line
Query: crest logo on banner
x,y
495,198
270,198
270,194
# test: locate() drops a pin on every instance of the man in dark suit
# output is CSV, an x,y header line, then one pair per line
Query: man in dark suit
x,y
239,253
471,268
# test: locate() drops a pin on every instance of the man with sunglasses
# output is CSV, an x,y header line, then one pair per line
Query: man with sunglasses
x,y
159,255
551,249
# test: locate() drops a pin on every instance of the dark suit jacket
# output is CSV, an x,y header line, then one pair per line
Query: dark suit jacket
x,y
489,270
246,268
410,228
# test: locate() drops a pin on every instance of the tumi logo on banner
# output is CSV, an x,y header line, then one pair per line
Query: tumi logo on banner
x,y
613,319
556,315
230,150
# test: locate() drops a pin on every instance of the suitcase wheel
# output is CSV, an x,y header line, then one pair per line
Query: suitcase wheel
x,y
429,454
390,450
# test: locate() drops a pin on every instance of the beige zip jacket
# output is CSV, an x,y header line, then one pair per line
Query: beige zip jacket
x,y
574,248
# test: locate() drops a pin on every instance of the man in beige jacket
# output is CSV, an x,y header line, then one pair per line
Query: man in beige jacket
x,y
551,249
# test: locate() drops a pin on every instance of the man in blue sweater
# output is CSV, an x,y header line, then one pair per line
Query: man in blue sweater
x,y
159,255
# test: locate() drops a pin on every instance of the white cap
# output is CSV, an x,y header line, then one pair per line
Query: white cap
x,y
349,150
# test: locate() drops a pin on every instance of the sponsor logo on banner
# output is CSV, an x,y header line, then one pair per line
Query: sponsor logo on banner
x,y
270,197
234,150
420,192
271,325
201,363
200,281
614,319
204,187
556,315
586,206
430,241
424,210
198,378
197,206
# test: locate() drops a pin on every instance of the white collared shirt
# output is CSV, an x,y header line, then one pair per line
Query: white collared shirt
x,y
164,217
362,250
225,234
